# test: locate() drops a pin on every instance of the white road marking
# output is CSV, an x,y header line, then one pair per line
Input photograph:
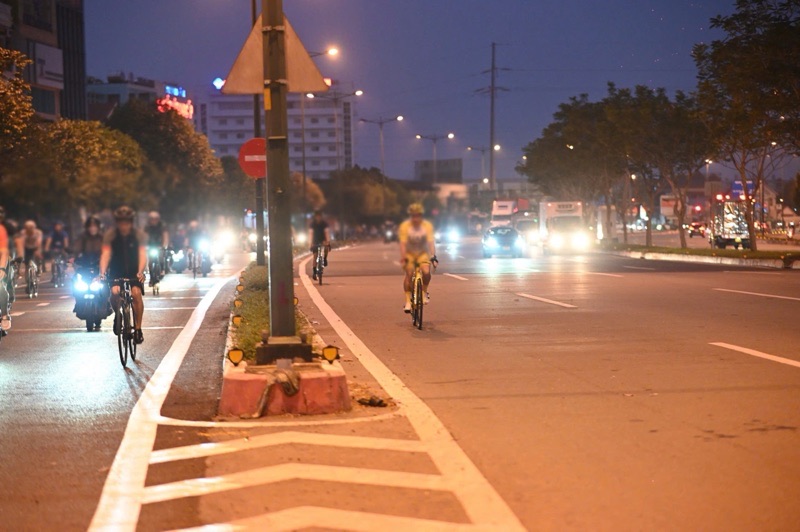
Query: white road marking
x,y
604,274
194,487
753,352
162,420
757,294
550,301
70,329
150,309
42,304
481,502
752,273
16,314
169,298
283,438
123,492
456,277
65,297
315,517
639,268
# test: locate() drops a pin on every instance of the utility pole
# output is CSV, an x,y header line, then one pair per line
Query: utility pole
x,y
283,343
260,244
492,91
380,122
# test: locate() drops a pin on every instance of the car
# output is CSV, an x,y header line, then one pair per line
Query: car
x,y
529,229
448,235
503,240
695,229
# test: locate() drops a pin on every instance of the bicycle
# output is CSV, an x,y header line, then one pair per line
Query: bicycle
x,y
125,336
59,270
7,293
319,263
155,269
32,279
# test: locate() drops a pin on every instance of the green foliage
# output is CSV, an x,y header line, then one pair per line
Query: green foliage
x,y
16,109
314,197
367,195
184,170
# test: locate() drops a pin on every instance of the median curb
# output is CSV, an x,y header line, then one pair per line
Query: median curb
x,y
699,259
322,387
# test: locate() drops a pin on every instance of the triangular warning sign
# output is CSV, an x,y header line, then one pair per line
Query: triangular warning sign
x,y
247,74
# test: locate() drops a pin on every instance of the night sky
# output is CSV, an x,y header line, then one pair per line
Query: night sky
x,y
425,59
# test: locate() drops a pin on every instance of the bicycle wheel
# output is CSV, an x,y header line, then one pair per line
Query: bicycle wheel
x,y
131,342
418,295
122,342
319,267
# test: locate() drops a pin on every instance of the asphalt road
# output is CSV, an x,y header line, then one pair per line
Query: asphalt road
x,y
587,389
65,399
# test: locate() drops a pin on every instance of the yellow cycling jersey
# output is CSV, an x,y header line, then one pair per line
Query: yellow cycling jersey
x,y
416,239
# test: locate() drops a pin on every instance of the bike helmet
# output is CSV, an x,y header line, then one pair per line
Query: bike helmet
x,y
29,224
154,215
416,208
124,213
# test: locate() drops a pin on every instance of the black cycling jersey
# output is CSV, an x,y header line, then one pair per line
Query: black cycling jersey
x,y
318,231
155,234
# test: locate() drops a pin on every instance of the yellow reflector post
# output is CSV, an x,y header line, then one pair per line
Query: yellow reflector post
x,y
240,288
330,353
238,303
235,355
237,320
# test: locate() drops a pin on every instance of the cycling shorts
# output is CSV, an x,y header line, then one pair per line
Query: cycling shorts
x,y
413,259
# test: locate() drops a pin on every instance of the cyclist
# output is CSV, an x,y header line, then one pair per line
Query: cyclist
x,y
56,244
29,244
124,255
319,235
158,238
195,236
90,245
417,247
6,281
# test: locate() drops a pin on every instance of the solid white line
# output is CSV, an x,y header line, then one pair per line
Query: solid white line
x,y
194,487
42,304
316,517
757,294
550,301
604,274
456,277
121,500
753,352
639,268
283,438
752,273
481,502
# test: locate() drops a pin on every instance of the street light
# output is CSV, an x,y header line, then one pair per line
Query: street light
x,y
483,150
381,121
337,98
435,138
330,52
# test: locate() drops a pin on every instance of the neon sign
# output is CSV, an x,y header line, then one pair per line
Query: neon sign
x,y
185,109
179,92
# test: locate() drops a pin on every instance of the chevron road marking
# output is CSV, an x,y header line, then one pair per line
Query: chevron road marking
x,y
303,517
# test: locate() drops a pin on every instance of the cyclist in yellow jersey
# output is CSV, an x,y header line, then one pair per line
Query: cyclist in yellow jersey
x,y
417,246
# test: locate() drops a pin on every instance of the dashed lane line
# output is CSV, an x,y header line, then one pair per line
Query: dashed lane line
x,y
604,274
759,354
46,304
773,296
456,276
544,300
640,268
482,504
123,492
16,314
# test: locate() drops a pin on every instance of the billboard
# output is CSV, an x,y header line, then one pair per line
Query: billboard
x,y
48,68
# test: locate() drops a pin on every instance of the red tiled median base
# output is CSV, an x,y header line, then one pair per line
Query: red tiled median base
x,y
322,391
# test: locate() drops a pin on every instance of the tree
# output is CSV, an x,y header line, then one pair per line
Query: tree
x,y
314,197
748,88
185,170
16,109
367,195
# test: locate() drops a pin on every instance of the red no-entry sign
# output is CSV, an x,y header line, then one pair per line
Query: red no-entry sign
x,y
253,158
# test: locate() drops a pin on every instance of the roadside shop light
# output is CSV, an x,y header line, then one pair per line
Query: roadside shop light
x,y
330,353
235,355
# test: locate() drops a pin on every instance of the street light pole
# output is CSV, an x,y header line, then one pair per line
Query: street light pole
x,y
381,121
434,138
260,244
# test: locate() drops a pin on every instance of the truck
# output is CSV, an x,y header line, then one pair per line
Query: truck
x,y
503,212
562,228
729,224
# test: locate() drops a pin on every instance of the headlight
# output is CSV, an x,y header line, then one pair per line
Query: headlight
x,y
301,238
203,245
580,241
453,235
533,236
178,255
224,239
519,242
81,285
491,242
437,235
154,252
252,238
96,286
556,241
388,234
